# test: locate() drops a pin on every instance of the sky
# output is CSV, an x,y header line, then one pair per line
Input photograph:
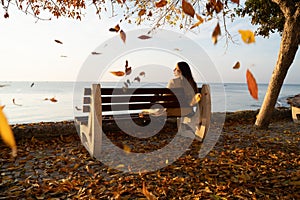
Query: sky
x,y
29,53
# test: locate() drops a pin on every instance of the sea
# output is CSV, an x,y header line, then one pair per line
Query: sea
x,y
34,102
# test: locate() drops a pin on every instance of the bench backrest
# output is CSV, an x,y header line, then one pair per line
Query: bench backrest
x,y
130,99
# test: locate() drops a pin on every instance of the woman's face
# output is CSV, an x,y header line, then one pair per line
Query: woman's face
x,y
177,72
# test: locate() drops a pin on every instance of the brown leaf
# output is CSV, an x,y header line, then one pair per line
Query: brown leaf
x,y
96,53
6,15
236,1
141,12
16,103
53,99
216,33
121,1
137,79
188,8
142,74
144,37
123,36
115,29
218,6
57,41
252,86
148,194
237,65
118,73
161,3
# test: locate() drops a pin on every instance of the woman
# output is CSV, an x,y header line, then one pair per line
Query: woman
x,y
183,79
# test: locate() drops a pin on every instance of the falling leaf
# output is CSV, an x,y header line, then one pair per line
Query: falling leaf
x,y
148,194
32,84
137,79
115,29
247,36
15,103
218,6
121,1
57,41
188,8
78,109
216,33
236,1
144,37
125,84
252,86
63,56
123,36
6,133
128,81
142,74
161,3
117,73
96,53
141,12
200,21
53,99
177,49
237,65
196,99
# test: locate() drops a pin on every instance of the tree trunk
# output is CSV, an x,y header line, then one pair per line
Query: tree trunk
x,y
288,48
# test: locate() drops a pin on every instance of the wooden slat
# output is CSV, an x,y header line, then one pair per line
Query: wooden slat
x,y
120,99
86,108
140,106
130,91
87,91
86,100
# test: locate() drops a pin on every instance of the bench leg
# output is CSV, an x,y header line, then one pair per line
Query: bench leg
x,y
296,114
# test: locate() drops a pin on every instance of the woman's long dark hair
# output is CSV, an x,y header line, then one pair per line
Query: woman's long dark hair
x,y
187,74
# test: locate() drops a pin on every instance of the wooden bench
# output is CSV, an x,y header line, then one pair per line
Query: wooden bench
x,y
295,106
99,103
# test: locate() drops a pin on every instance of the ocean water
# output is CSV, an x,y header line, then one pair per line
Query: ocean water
x,y
30,105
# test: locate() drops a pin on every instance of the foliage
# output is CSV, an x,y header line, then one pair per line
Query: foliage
x,y
264,13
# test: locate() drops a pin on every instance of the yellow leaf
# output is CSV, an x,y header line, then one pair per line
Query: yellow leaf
x,y
216,33
247,36
126,148
252,86
6,133
188,8
148,194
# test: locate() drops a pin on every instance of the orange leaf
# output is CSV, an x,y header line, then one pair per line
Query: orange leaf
x,y
126,148
216,33
123,36
161,3
200,21
115,29
118,73
142,12
237,65
188,8
252,86
57,41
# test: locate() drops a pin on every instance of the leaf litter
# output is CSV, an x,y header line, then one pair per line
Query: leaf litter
x,y
245,163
